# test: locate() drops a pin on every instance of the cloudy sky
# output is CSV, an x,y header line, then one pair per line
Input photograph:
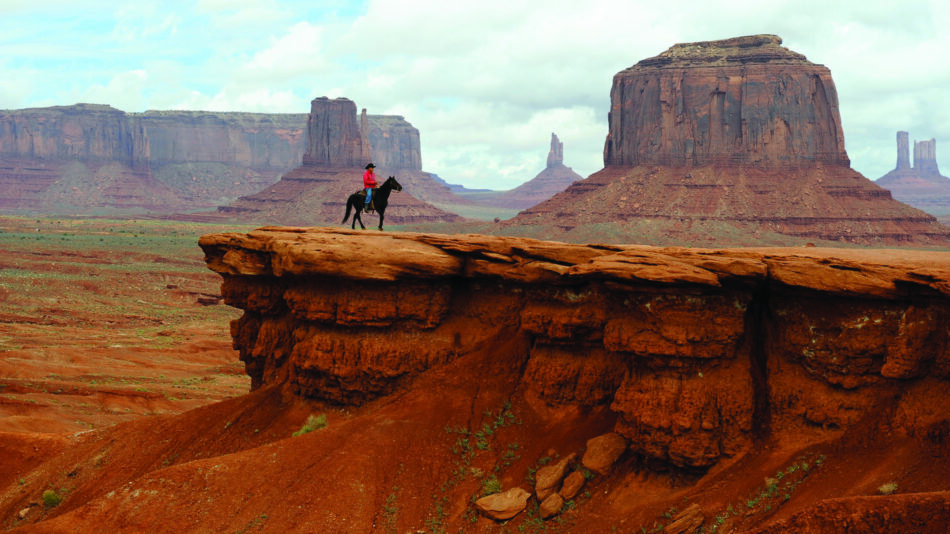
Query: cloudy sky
x,y
485,82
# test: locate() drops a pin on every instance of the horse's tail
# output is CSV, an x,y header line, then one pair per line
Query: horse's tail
x,y
349,206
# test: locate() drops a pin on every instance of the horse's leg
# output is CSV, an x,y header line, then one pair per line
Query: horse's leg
x,y
381,220
349,205
358,216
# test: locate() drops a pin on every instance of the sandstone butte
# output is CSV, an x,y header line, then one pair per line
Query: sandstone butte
x,y
758,390
89,158
920,185
737,141
338,148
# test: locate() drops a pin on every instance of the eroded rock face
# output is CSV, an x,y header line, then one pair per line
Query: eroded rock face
x,y
334,138
699,353
746,100
728,143
86,156
339,145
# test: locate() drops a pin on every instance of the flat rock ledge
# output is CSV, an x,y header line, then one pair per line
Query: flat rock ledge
x,y
391,256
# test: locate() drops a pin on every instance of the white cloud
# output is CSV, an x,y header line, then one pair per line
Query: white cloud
x,y
485,82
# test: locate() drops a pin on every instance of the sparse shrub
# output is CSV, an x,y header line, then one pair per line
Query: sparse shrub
x,y
51,499
314,422
888,488
491,485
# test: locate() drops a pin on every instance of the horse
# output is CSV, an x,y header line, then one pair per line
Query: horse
x,y
380,200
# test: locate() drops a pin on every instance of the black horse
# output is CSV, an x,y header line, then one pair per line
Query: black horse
x,y
380,200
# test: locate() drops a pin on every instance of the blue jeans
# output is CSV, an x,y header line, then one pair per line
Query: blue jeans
x,y
369,194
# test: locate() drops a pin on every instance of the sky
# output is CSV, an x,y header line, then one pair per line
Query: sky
x,y
486,82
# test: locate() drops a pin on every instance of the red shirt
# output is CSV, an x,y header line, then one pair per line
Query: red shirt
x,y
369,179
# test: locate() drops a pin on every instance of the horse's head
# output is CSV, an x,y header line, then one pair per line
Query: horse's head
x,y
393,183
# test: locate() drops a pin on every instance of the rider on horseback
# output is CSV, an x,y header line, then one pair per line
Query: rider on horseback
x,y
369,183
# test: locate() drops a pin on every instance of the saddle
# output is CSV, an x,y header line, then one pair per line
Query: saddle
x,y
372,202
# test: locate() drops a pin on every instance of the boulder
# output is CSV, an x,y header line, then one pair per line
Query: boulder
x,y
503,505
572,484
603,451
548,478
687,521
551,506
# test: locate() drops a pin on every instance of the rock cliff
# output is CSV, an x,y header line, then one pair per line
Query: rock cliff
x,y
746,100
89,157
920,185
731,142
94,157
699,354
466,380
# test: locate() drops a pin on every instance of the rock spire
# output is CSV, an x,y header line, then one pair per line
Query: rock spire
x,y
903,151
556,154
922,185
925,157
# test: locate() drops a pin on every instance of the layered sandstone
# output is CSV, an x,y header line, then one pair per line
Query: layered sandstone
x,y
746,100
95,158
731,142
920,185
698,353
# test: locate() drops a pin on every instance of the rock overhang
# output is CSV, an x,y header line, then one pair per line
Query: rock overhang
x,y
698,353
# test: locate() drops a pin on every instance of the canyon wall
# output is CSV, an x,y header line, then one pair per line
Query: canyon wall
x,y
89,132
93,157
698,353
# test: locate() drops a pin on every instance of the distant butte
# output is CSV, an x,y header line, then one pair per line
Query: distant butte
x,y
920,185
555,177
731,142
338,147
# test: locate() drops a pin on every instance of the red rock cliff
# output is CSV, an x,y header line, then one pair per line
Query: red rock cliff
x,y
90,156
700,354
746,100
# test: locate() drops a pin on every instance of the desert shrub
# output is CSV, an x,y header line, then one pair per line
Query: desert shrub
x,y
51,499
491,485
314,422
888,488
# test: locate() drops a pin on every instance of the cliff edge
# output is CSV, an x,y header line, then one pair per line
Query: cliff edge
x,y
697,358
